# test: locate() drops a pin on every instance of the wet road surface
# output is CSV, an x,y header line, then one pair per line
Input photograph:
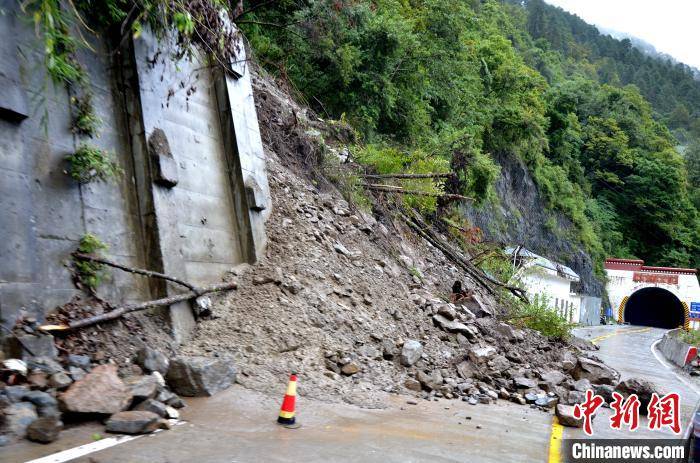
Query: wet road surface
x,y
238,425
628,349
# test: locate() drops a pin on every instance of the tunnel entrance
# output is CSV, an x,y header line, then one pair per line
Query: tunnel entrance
x,y
654,307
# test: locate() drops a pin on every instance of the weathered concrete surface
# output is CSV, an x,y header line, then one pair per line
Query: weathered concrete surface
x,y
673,349
628,350
186,212
44,211
239,425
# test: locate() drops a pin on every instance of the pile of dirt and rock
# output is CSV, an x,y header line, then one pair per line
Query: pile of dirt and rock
x,y
357,303
41,393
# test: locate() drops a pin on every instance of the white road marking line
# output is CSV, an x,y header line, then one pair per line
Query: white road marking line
x,y
82,450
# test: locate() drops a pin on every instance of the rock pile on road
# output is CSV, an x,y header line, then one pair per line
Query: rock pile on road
x,y
39,393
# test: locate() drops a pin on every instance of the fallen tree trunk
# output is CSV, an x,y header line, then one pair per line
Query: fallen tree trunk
x,y
148,273
121,311
473,271
444,175
400,190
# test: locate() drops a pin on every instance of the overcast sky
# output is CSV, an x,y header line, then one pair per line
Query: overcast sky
x,y
671,26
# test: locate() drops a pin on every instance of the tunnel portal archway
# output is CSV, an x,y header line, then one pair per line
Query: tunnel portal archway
x,y
654,306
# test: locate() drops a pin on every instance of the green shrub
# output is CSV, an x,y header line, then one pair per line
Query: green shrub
x,y
691,337
90,274
85,121
537,315
89,163
384,159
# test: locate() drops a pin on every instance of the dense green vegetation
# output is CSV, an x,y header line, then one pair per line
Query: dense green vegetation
x,y
460,81
432,84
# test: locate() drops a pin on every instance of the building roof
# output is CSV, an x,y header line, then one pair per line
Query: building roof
x,y
543,262
636,265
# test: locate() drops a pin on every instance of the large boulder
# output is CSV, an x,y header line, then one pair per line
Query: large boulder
x,y
44,429
151,360
200,376
565,414
595,372
100,391
411,352
643,389
142,387
133,422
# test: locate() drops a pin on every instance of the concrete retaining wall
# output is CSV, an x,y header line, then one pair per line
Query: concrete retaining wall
x,y
676,350
211,220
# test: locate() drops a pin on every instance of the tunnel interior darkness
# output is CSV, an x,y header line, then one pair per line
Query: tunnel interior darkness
x,y
654,307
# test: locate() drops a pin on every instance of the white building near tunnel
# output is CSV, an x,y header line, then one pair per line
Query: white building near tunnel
x,y
542,277
656,296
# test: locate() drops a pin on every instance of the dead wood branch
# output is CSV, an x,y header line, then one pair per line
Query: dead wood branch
x,y
424,230
148,273
400,190
438,175
121,311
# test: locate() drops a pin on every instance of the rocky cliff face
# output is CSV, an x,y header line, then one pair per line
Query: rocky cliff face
x,y
521,218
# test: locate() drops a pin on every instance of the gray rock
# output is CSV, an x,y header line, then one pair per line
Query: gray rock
x,y
546,402
499,364
447,311
45,403
44,429
5,440
553,377
369,351
101,391
151,360
154,406
45,364
388,349
411,352
522,382
505,330
565,414
170,399
531,397
133,422
41,345
15,393
576,397
482,354
582,385
60,380
200,376
142,387
451,326
595,372
412,385
79,361
431,381
18,417
76,373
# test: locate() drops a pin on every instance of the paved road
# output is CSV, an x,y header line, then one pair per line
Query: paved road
x,y
238,425
628,349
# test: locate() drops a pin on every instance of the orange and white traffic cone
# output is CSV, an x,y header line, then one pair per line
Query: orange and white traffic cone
x,y
286,417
